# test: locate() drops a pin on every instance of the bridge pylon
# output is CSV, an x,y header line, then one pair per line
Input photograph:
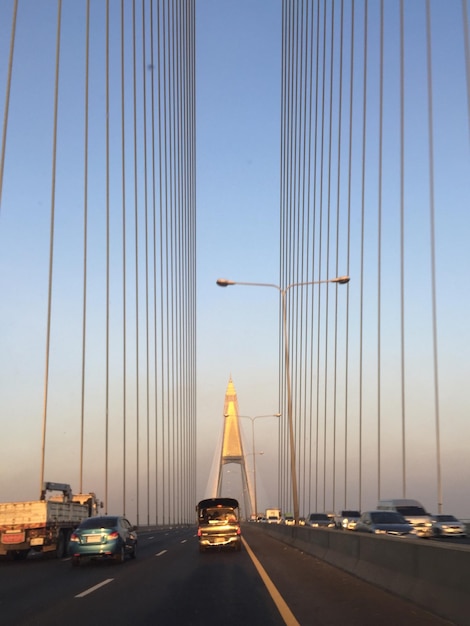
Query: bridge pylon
x,y
232,447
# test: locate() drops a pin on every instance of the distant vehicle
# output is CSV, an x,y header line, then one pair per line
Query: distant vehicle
x,y
273,516
317,520
218,524
347,519
288,520
44,525
413,512
384,523
301,521
448,526
106,536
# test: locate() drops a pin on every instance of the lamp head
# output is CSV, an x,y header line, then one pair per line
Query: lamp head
x,y
342,280
224,282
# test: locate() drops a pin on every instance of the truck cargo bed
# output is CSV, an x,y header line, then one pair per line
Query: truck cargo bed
x,y
39,513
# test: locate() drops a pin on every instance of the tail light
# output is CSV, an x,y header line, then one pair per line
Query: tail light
x,y
199,532
74,537
239,531
113,535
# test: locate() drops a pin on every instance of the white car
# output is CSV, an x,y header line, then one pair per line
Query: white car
x,y
347,519
448,526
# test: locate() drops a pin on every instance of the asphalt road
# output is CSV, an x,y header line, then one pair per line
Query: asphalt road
x,y
171,583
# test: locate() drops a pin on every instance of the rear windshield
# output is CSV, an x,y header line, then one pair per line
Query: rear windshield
x,y
351,514
318,516
99,522
411,510
218,515
387,517
446,518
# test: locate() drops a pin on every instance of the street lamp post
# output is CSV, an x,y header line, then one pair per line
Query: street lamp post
x,y
253,419
341,280
254,504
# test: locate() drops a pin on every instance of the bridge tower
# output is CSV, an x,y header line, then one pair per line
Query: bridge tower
x,y
232,446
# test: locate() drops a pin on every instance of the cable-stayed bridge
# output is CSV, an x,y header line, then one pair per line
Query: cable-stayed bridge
x,y
98,252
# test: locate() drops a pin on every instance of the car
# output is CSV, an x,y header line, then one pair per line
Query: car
x,y
384,523
319,520
347,519
448,526
288,520
301,521
104,536
413,512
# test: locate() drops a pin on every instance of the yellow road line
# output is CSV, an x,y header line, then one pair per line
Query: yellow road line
x,y
279,601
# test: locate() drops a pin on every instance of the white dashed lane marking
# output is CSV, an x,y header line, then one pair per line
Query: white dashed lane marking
x,y
91,589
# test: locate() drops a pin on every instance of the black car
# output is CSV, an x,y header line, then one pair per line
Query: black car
x,y
319,520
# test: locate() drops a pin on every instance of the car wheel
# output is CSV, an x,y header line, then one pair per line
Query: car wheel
x,y
121,555
134,551
75,561
61,545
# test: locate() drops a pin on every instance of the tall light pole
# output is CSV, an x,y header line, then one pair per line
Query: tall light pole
x,y
341,280
253,451
254,505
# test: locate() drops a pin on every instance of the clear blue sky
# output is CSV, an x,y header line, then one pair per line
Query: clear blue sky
x,y
239,148
239,47
238,189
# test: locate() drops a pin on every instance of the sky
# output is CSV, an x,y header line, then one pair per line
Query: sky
x,y
241,233
238,225
238,132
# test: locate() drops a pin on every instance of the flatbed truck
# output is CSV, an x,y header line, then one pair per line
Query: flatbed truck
x,y
44,525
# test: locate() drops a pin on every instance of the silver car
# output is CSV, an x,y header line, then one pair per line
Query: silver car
x,y
384,523
448,526
347,519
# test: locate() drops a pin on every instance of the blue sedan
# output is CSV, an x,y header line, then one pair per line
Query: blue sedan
x,y
106,536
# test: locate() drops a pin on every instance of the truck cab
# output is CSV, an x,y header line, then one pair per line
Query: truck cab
x,y
273,516
218,524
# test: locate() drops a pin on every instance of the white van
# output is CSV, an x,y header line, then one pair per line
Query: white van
x,y
414,513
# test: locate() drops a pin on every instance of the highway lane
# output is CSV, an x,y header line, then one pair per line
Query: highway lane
x,y
170,582
33,589
322,595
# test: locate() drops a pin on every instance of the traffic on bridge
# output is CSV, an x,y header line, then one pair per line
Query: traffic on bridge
x,y
170,582
273,194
